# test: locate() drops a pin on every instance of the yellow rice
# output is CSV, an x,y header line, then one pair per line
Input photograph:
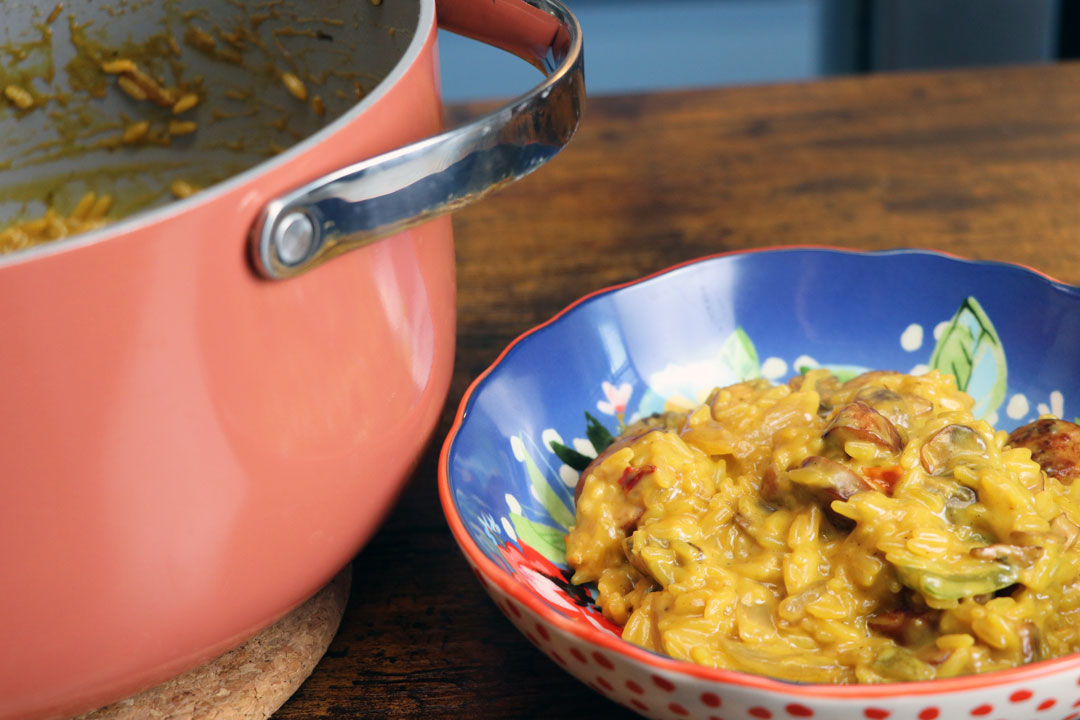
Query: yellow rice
x,y
712,536
89,214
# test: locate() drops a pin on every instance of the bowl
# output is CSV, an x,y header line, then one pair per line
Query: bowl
x,y
1011,334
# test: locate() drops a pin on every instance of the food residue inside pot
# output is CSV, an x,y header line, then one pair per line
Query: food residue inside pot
x,y
89,214
92,95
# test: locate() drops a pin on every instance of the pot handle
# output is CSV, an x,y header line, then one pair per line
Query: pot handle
x,y
386,194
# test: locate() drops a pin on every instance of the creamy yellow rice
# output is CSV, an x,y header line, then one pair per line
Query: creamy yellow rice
x,y
866,531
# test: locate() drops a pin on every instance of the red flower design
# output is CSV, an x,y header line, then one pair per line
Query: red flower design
x,y
553,585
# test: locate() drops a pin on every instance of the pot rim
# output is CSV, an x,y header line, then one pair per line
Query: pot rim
x,y
142,220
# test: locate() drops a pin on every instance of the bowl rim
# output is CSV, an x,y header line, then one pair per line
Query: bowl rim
x,y
655,661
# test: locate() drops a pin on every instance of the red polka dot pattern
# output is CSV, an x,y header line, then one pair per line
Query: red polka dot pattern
x,y
676,696
711,699
602,661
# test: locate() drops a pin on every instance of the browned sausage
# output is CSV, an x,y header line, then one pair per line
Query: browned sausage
x,y
828,480
906,627
1054,444
950,446
859,421
899,409
619,444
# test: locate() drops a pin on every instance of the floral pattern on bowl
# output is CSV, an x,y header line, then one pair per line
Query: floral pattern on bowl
x,y
556,397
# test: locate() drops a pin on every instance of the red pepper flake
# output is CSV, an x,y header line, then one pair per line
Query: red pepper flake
x,y
632,476
884,478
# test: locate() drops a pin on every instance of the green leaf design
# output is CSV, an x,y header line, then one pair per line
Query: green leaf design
x,y
739,354
571,456
952,354
845,375
971,351
555,506
544,539
598,434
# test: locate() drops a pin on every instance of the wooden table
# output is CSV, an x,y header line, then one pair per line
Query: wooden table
x,y
984,164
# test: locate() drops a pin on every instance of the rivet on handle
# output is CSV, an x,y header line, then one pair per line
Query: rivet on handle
x,y
295,238
384,195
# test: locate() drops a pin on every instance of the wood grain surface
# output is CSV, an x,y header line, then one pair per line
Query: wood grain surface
x,y
984,164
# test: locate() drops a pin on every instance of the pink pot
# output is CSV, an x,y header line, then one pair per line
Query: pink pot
x,y
190,449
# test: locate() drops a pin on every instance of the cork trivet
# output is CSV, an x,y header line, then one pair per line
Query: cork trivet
x,y
249,682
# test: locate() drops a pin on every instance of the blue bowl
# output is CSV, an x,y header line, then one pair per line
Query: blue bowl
x,y
1011,337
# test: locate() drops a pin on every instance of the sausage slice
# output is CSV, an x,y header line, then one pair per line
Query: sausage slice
x,y
1054,444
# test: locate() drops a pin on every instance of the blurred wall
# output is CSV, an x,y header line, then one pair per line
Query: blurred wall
x,y
641,45
637,45
919,34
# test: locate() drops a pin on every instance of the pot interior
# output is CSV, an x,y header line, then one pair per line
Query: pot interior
x,y
94,94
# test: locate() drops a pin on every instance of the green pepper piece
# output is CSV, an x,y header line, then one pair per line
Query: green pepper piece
x,y
960,584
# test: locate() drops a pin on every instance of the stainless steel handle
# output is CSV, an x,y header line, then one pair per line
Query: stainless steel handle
x,y
386,194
